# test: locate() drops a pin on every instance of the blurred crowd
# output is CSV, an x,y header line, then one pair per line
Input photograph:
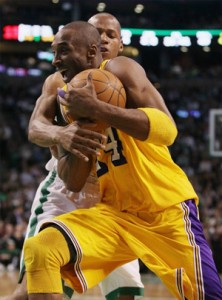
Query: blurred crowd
x,y
189,93
164,15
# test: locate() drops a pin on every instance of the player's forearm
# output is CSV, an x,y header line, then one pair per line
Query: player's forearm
x,y
44,135
73,171
144,124
131,121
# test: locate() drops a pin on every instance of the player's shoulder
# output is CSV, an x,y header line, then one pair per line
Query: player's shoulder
x,y
54,81
121,60
121,63
55,78
125,68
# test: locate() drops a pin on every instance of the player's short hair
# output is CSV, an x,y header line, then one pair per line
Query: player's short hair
x,y
84,32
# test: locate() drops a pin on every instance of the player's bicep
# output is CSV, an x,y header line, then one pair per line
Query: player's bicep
x,y
139,90
142,93
46,104
46,108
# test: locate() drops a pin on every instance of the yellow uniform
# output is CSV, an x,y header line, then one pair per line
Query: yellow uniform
x,y
145,174
147,210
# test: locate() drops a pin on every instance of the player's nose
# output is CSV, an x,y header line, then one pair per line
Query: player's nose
x,y
56,61
104,38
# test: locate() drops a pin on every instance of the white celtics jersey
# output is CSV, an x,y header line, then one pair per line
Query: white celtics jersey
x,y
53,199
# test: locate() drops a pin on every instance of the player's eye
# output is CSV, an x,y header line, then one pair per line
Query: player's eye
x,y
112,35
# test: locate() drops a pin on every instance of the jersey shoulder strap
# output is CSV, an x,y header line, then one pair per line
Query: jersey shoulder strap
x,y
103,64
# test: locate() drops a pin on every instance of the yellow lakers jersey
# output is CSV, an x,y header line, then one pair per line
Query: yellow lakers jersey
x,y
137,176
103,64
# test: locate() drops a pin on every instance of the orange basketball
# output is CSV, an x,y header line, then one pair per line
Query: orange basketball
x,y
108,88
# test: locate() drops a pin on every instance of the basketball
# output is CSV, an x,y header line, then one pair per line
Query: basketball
x,y
108,88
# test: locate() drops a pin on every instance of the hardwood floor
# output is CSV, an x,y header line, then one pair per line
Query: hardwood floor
x,y
154,289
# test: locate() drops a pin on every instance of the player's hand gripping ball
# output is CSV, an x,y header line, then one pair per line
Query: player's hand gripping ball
x,y
108,88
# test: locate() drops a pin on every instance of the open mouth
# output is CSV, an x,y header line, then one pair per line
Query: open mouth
x,y
102,49
64,74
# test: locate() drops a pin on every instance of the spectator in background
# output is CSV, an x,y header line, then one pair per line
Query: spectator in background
x,y
9,256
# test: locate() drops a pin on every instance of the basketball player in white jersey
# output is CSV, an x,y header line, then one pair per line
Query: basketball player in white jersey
x,y
52,198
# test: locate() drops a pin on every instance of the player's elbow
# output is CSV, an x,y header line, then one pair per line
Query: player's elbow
x,y
32,129
31,135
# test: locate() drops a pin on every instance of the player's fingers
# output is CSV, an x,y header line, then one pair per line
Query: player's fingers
x,y
93,136
80,155
91,146
89,81
61,93
83,152
63,101
86,146
89,77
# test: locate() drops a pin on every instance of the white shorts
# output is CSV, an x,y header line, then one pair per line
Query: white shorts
x,y
52,199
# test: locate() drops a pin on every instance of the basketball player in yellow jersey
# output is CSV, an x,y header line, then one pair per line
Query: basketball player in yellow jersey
x,y
125,282
148,207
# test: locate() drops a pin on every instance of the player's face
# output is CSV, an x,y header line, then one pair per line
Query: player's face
x,y
109,29
69,58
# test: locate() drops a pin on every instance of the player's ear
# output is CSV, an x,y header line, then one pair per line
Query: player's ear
x,y
93,49
121,46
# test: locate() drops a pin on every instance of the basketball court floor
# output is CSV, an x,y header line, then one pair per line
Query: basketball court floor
x,y
154,289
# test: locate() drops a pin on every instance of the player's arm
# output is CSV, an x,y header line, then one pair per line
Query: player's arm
x,y
140,91
73,170
140,94
42,129
44,132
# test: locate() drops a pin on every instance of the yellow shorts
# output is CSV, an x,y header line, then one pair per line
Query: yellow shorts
x,y
170,243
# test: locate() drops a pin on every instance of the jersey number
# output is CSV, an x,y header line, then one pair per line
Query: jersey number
x,y
114,145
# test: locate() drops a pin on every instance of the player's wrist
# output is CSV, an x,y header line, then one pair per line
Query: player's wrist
x,y
55,135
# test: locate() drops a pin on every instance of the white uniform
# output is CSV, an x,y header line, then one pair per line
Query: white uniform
x,y
53,199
